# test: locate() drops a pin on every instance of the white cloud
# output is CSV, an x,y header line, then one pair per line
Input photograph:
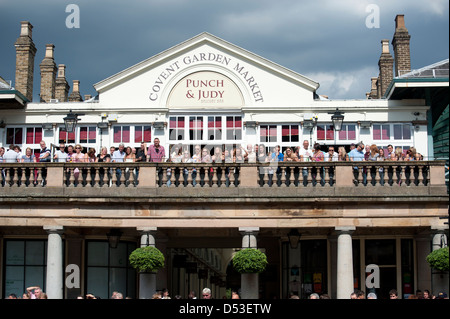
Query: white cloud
x,y
344,84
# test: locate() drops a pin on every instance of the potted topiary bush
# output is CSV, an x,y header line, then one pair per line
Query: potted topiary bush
x,y
147,259
250,261
439,259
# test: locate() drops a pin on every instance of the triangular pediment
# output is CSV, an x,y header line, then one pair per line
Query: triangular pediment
x,y
261,82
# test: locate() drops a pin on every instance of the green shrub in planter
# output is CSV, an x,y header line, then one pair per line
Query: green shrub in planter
x,y
438,259
147,259
249,261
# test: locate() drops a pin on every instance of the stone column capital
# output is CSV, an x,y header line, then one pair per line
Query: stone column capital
x,y
54,229
345,229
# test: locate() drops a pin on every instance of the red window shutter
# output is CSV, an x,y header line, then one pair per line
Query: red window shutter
x,y
92,134
117,134
320,133
83,134
377,132
137,134
37,135
351,132
125,134
330,132
147,134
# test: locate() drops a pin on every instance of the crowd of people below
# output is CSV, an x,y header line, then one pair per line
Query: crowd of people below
x,y
36,292
179,153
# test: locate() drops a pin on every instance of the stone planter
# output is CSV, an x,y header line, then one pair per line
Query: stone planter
x,y
147,285
249,286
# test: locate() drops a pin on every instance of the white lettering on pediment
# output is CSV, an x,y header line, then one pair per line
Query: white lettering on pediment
x,y
211,95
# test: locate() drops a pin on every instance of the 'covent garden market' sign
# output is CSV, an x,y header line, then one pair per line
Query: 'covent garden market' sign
x,y
206,87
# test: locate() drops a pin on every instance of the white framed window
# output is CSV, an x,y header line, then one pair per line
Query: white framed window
x,y
392,132
205,129
131,135
284,135
325,134
396,134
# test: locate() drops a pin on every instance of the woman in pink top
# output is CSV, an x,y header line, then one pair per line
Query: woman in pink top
x,y
78,157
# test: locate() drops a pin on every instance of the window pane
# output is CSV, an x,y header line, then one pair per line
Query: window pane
x,y
34,276
272,133
285,133
377,132
118,256
98,254
351,132
9,135
137,134
117,134
118,280
343,133
295,136
406,132
125,134
35,253
14,280
83,135
330,132
18,136
147,134
97,283
385,132
320,132
398,130
263,133
30,135
15,252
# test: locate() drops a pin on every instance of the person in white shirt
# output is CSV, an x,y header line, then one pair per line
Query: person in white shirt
x,y
305,155
11,156
331,156
61,155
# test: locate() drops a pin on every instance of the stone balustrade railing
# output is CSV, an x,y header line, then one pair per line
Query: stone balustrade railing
x,y
281,174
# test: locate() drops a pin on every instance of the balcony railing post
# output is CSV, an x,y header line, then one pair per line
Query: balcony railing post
x,y
344,176
437,175
147,176
249,176
55,176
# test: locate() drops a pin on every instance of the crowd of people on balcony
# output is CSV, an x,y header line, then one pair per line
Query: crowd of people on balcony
x,y
179,153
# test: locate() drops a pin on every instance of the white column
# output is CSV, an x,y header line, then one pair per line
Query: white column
x,y
54,284
249,282
344,262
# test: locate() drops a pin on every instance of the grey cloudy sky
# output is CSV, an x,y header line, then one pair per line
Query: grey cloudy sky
x,y
325,40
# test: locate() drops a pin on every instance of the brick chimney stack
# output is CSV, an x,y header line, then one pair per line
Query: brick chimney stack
x,y
386,66
62,87
75,96
48,74
400,42
25,53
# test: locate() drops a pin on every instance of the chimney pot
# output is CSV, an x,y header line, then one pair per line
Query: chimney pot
x,y
61,71
400,21
26,29
385,46
49,51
